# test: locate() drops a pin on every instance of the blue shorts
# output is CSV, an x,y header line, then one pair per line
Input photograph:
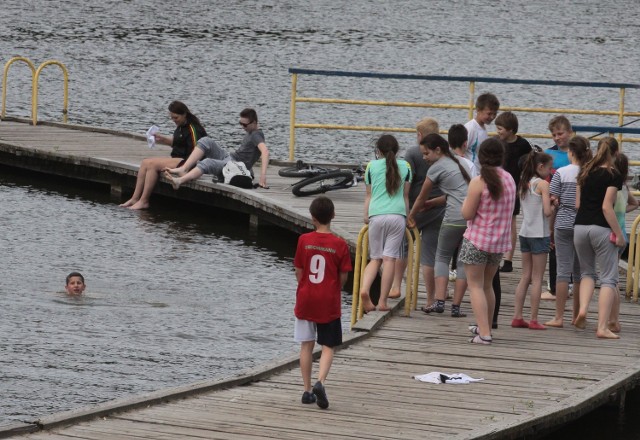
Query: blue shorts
x,y
535,245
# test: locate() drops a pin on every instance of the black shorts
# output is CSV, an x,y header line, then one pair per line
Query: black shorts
x,y
330,334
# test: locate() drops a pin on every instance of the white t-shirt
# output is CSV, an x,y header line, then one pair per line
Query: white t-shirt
x,y
470,166
476,136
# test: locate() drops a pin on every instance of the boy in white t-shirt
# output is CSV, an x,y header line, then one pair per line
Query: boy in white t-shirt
x,y
487,106
458,138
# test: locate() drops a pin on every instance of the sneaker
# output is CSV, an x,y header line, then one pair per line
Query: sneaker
x,y
477,339
308,397
519,323
456,313
535,325
507,266
434,308
321,395
453,275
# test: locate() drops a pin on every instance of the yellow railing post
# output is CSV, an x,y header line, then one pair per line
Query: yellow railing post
x,y
34,98
472,103
292,117
4,81
416,267
633,265
357,274
621,115
413,270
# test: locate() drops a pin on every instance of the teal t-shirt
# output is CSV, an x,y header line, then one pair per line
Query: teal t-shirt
x,y
381,201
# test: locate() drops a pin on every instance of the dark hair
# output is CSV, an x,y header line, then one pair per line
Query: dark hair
x,y
457,135
580,147
433,141
622,165
487,100
74,274
322,209
560,122
388,146
508,121
529,169
250,114
490,156
179,108
607,150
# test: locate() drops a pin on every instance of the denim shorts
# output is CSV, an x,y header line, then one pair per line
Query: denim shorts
x,y
535,245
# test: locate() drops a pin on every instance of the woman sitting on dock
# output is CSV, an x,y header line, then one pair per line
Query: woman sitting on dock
x,y
184,139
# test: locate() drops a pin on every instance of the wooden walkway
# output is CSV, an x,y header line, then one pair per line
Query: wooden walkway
x,y
533,380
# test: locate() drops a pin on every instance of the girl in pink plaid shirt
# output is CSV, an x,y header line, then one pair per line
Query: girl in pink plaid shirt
x,y
487,209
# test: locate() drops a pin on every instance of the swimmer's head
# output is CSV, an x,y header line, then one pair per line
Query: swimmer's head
x,y
75,284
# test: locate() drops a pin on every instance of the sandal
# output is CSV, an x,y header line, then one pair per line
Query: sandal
x,y
477,339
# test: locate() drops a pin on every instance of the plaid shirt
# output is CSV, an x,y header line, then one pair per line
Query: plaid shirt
x,y
490,229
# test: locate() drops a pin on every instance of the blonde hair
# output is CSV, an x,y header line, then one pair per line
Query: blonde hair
x,y
427,126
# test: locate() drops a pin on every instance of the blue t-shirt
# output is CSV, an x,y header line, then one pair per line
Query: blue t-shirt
x,y
560,158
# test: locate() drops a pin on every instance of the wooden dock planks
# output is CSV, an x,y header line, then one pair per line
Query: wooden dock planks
x,y
533,379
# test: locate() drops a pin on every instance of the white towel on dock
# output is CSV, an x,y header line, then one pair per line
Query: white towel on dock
x,y
437,377
151,139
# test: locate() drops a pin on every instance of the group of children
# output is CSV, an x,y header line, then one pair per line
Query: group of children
x,y
464,195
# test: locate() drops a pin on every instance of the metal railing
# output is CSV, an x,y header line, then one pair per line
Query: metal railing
x,y
620,112
35,77
633,267
413,271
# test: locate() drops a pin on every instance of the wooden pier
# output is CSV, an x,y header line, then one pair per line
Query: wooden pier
x,y
534,381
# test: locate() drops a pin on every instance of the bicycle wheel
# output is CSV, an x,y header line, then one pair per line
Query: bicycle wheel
x,y
304,170
323,183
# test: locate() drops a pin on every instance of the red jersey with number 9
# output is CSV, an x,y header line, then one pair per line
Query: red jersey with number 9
x,y
321,257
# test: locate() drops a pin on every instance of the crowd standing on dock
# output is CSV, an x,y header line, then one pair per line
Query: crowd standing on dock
x,y
463,194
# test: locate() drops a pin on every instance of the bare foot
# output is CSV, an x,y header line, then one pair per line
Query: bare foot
x,y
128,203
176,171
174,181
367,305
139,205
547,296
394,293
557,323
581,322
614,327
606,334
383,308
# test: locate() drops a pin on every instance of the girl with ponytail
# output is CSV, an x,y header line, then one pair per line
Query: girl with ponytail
x,y
563,194
487,209
597,234
535,236
447,173
387,181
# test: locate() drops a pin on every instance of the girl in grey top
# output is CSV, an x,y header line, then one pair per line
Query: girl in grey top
x,y
452,178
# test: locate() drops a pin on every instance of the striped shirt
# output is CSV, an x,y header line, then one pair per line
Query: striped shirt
x,y
490,229
563,186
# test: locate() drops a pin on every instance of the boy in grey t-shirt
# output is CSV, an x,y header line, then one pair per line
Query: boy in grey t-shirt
x,y
209,158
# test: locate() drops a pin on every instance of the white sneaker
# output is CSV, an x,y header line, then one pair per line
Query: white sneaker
x,y
453,275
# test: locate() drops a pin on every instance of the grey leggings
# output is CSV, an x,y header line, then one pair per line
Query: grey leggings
x,y
449,239
566,259
592,244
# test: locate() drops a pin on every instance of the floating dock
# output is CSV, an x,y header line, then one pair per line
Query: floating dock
x,y
534,381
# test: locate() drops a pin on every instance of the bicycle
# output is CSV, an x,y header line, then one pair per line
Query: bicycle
x,y
319,180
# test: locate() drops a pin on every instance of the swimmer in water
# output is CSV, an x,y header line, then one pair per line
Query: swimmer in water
x,y
75,284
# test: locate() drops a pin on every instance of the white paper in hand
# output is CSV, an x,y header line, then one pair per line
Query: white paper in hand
x,y
151,140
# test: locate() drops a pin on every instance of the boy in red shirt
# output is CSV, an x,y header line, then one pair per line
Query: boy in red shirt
x,y
322,263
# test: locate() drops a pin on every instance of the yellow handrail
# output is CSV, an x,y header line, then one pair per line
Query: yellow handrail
x,y
4,80
619,112
34,99
35,76
633,266
360,263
